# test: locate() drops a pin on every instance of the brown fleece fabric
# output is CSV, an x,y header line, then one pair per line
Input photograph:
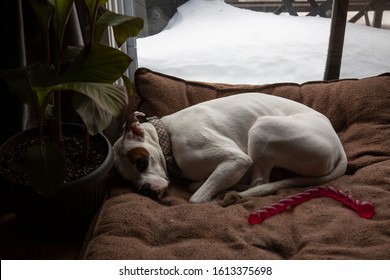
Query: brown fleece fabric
x,y
131,226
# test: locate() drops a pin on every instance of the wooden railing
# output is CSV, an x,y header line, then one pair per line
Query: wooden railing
x,y
321,8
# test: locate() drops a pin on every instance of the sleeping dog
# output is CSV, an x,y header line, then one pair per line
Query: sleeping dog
x,y
231,143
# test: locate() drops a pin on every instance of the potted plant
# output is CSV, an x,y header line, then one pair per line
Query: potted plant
x,y
51,202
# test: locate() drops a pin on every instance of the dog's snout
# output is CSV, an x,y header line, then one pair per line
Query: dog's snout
x,y
146,189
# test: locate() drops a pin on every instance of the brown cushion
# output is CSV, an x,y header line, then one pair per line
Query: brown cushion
x,y
162,94
349,103
131,226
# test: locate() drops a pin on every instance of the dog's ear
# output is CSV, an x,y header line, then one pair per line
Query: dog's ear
x,y
133,127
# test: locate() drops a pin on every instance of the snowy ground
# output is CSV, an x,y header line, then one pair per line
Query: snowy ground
x,y
208,40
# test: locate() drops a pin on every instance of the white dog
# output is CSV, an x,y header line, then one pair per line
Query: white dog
x,y
230,142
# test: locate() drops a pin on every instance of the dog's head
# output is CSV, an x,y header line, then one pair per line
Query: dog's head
x,y
138,157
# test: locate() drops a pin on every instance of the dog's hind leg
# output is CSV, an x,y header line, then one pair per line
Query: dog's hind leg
x,y
259,150
271,188
307,149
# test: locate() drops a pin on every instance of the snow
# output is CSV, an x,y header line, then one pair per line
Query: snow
x,y
211,41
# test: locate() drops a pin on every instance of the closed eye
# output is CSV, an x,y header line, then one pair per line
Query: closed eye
x,y
142,164
139,157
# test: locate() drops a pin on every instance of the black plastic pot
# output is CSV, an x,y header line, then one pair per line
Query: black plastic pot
x,y
65,216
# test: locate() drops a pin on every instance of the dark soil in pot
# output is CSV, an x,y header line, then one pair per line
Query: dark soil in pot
x,y
67,215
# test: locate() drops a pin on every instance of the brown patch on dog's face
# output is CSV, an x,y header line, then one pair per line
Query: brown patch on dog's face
x,y
139,157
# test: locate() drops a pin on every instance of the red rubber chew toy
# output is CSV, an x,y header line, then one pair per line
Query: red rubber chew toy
x,y
365,209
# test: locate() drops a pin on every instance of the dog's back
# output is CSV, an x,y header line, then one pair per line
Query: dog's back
x,y
230,116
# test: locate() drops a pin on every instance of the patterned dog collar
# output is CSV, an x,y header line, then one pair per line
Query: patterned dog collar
x,y
165,143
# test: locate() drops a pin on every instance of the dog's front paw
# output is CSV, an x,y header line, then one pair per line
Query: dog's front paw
x,y
198,200
229,198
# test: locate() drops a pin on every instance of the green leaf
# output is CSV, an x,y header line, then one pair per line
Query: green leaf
x,y
111,98
42,100
128,84
41,94
45,166
98,64
31,85
130,28
19,83
70,53
124,26
43,11
62,10
94,117
41,74
91,4
102,101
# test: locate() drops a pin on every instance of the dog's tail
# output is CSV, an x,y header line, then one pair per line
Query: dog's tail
x,y
270,188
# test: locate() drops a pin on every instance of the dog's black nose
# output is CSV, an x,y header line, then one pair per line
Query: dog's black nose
x,y
147,190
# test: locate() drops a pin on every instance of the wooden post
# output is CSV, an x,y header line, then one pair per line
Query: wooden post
x,y
336,40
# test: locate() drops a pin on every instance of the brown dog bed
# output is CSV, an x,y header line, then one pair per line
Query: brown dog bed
x,y
131,226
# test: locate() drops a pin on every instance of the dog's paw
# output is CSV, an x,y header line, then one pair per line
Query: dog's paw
x,y
229,198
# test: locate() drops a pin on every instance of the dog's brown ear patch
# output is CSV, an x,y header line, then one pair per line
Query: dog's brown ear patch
x,y
136,153
140,157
